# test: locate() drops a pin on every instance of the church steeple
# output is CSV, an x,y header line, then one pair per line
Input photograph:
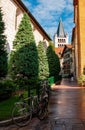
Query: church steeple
x,y
60,30
60,37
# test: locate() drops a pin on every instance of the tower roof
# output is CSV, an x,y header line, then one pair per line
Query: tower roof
x,y
60,30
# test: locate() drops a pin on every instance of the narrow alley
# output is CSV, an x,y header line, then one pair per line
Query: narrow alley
x,y
66,110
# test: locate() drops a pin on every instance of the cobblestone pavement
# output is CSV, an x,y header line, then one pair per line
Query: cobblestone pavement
x,y
62,124
66,110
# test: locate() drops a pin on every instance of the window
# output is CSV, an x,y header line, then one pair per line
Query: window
x,y
59,40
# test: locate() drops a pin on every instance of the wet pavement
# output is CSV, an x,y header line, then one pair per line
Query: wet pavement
x,y
67,103
66,110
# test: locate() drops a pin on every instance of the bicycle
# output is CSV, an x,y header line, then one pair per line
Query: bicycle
x,y
45,88
22,113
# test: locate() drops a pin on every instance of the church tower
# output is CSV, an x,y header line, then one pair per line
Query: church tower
x,y
60,37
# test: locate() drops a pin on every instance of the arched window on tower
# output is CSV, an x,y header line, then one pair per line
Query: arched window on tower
x,y
62,40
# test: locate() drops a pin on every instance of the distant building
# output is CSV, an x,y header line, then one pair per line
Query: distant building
x,y
60,41
13,11
67,61
60,37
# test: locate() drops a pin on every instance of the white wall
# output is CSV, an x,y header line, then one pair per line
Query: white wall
x,y
9,9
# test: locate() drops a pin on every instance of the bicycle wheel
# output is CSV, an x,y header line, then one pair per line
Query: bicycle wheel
x,y
42,113
21,114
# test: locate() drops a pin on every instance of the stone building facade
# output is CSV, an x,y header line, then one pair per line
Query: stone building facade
x,y
67,64
13,11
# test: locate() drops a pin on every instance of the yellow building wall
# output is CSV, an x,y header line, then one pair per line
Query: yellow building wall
x,y
81,34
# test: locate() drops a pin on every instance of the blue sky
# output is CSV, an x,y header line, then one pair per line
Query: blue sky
x,y
49,12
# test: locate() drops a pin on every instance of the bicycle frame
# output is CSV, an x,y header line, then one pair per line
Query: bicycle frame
x,y
22,113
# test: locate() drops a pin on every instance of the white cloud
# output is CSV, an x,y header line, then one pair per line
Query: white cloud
x,y
48,13
45,8
52,5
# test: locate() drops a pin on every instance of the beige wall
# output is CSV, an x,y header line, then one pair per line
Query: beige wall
x,y
12,15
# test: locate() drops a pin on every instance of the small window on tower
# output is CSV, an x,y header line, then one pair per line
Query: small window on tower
x,y
61,40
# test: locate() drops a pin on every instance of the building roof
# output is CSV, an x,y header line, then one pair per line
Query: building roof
x,y
69,46
75,2
60,30
32,17
59,51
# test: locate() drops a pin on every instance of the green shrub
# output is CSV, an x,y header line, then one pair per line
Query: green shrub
x,y
43,62
58,79
51,80
53,61
84,70
7,87
23,63
3,50
81,80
